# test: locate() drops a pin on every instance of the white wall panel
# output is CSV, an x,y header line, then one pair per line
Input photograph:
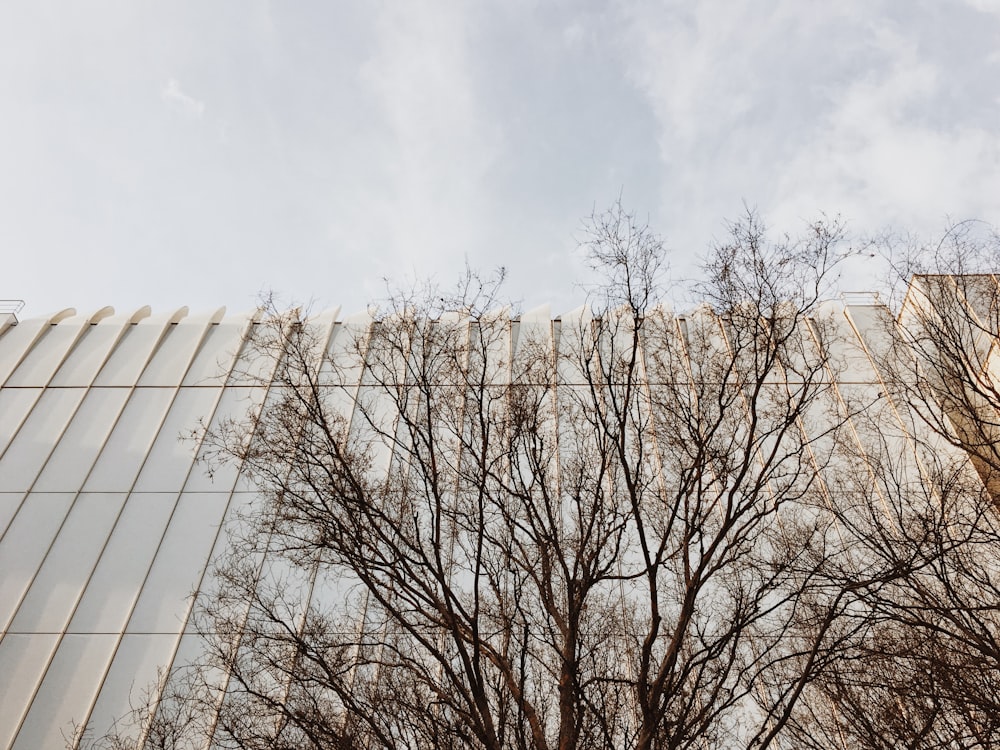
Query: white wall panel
x,y
242,505
9,503
850,362
374,425
128,446
191,651
25,545
74,456
16,340
59,584
236,403
218,351
174,451
872,324
575,339
23,659
132,673
337,593
534,332
215,358
174,354
90,353
67,692
180,560
253,367
320,332
346,347
15,403
114,587
37,368
39,434
133,352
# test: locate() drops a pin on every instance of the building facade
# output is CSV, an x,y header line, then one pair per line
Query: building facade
x,y
109,522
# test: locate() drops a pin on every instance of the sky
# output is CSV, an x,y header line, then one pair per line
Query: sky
x,y
201,152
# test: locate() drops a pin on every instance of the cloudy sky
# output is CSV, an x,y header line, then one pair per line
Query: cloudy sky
x,y
195,153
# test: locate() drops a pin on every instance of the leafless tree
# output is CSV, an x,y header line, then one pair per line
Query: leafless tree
x,y
603,531
921,523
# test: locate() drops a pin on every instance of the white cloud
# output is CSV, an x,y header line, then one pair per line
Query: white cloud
x,y
884,155
985,6
178,100
374,139
423,203
871,110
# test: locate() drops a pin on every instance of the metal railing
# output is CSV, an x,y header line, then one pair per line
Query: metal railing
x,y
11,307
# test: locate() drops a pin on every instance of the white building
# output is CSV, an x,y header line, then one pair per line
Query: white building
x,y
108,522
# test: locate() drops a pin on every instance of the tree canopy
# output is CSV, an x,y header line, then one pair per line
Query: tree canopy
x,y
758,523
